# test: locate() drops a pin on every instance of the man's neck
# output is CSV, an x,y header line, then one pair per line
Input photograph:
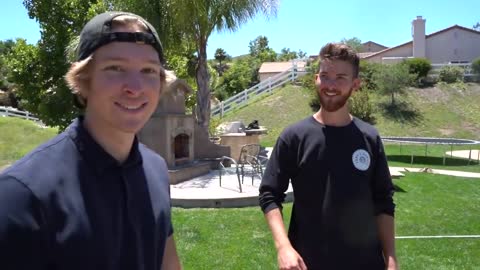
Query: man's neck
x,y
338,118
116,143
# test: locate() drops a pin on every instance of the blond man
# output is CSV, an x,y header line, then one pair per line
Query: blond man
x,y
94,197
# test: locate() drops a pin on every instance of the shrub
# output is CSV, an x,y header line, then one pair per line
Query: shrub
x,y
451,74
307,81
360,106
367,71
220,93
314,102
213,126
418,66
476,66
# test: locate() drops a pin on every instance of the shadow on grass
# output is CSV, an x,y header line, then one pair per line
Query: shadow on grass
x,y
426,160
398,189
401,111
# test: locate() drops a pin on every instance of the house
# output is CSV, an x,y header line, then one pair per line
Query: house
x,y
369,48
270,69
455,44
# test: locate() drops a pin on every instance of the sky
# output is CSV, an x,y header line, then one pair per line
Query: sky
x,y
305,24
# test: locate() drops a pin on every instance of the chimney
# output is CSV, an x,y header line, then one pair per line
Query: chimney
x,y
418,33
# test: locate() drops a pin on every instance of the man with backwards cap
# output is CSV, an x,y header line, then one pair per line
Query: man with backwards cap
x,y
94,197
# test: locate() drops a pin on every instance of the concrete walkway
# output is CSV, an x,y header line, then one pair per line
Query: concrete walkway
x,y
467,154
205,191
436,171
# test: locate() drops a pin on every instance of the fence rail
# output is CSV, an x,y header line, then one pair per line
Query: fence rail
x,y
10,111
266,86
467,68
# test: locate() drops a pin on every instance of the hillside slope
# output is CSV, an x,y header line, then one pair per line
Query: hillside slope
x,y
441,111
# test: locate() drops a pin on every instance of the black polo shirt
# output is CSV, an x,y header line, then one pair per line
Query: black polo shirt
x,y
70,205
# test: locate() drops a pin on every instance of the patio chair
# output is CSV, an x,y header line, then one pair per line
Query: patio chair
x,y
249,160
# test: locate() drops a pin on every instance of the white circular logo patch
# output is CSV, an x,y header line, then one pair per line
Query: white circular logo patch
x,y
361,160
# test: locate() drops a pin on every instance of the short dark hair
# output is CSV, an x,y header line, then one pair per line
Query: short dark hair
x,y
340,51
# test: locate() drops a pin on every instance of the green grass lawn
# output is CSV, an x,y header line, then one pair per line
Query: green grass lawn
x,y
18,137
438,205
426,205
400,156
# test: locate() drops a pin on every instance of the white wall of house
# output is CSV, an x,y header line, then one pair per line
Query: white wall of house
x,y
264,76
453,45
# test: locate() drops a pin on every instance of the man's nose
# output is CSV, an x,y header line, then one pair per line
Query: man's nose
x,y
133,83
328,83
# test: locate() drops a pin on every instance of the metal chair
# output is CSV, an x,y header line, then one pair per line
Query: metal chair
x,y
249,160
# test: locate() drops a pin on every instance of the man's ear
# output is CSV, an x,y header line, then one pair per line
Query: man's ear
x,y
316,80
357,82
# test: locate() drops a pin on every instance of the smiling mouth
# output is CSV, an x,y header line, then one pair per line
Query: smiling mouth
x,y
330,93
132,107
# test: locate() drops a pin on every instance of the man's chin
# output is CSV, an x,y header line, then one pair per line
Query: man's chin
x,y
332,107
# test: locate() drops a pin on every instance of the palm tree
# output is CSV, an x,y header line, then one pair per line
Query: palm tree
x,y
199,18
195,20
220,55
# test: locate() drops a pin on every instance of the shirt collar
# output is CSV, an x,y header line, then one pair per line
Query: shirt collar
x,y
94,154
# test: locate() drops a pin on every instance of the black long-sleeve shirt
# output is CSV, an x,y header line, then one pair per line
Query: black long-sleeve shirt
x,y
341,182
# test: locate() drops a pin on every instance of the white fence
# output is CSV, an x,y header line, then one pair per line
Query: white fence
x,y
266,86
467,67
10,111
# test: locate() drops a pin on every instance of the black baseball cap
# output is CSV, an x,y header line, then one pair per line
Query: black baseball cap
x,y
98,32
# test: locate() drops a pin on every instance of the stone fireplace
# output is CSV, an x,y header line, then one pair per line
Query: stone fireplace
x,y
175,135
181,149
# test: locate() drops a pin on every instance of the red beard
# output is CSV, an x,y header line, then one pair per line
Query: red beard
x,y
333,104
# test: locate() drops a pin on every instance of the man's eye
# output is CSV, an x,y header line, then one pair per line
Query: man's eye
x,y
114,68
149,71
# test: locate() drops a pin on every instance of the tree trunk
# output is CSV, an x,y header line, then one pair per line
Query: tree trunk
x,y
203,93
393,99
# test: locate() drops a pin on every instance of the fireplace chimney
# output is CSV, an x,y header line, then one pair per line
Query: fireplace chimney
x,y
418,33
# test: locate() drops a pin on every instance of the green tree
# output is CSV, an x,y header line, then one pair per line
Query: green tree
x,y
286,54
260,50
38,70
301,54
392,80
240,76
221,55
25,70
5,48
196,20
353,42
258,45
